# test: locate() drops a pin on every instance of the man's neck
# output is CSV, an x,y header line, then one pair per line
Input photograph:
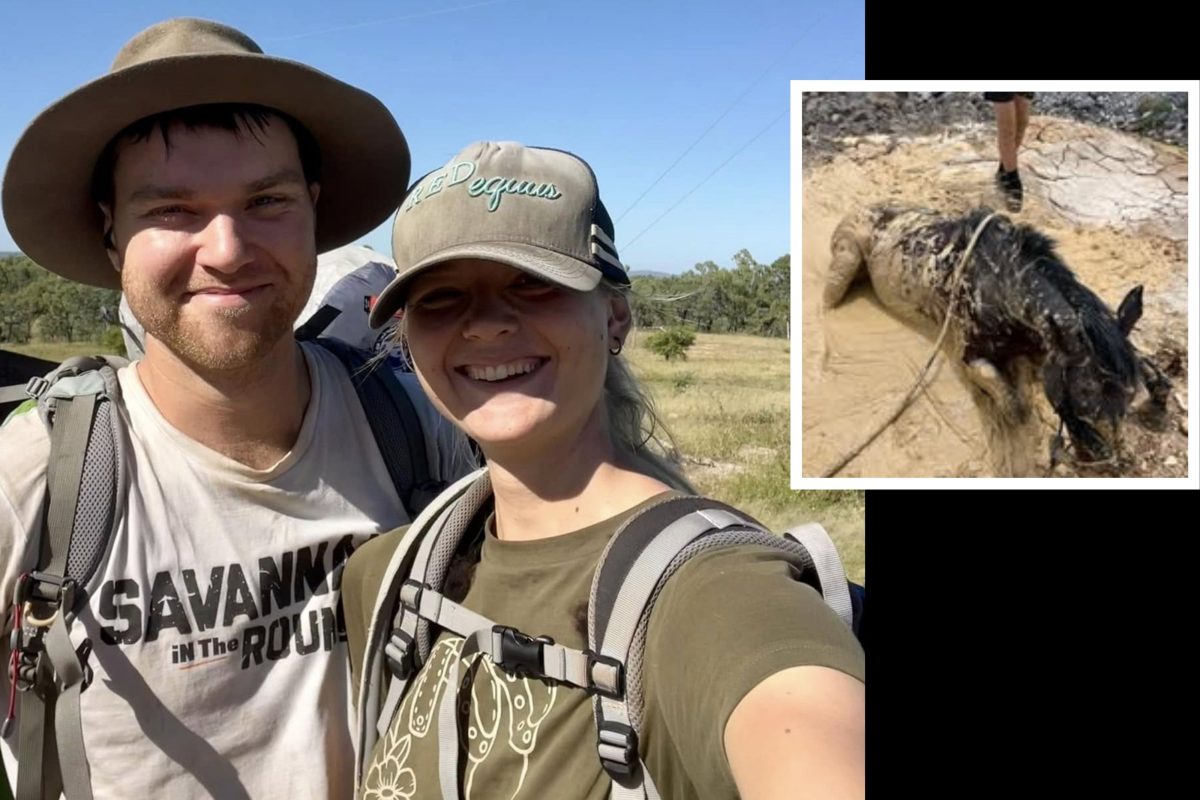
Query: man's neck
x,y
252,415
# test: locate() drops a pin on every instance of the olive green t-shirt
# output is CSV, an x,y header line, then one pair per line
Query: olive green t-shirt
x,y
726,621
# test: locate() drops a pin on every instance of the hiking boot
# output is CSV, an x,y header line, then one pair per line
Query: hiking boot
x,y
1009,184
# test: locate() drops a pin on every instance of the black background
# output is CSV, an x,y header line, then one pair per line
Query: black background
x,y
1030,643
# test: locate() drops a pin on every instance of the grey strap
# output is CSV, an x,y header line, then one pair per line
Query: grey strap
x,y
31,747
408,625
628,608
565,664
444,612
14,394
371,680
830,571
643,789
68,442
486,641
644,576
72,757
448,716
62,681
371,720
559,662
639,786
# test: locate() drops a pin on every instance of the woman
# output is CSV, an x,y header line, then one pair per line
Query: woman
x,y
515,318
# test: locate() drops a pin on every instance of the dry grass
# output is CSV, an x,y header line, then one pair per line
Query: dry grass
x,y
727,406
54,351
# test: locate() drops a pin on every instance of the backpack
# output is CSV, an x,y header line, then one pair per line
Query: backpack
x,y
643,554
85,482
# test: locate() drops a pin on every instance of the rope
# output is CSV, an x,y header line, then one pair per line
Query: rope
x,y
956,279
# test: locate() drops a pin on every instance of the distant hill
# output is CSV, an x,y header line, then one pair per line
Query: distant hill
x,y
648,273
8,253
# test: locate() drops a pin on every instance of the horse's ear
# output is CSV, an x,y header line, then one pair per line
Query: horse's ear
x,y
1130,310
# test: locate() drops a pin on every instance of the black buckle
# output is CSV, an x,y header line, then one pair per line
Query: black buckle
x,y
400,668
519,652
83,652
615,734
57,591
594,658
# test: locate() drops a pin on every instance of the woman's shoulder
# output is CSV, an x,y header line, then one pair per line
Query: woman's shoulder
x,y
364,571
362,578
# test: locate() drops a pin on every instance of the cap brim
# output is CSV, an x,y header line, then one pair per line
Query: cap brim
x,y
555,267
47,199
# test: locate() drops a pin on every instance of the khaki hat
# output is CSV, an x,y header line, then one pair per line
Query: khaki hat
x,y
47,193
532,208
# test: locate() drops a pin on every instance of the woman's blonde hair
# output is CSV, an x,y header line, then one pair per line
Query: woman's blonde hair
x,y
636,428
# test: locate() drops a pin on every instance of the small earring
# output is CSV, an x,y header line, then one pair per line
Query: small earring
x,y
615,351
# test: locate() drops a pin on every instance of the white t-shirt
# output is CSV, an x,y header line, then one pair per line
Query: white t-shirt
x,y
220,658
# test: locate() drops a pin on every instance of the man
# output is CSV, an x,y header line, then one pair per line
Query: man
x,y
1012,118
218,655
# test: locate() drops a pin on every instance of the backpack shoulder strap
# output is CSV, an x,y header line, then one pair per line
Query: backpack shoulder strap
x,y
828,564
395,424
640,559
16,393
85,476
396,640
79,403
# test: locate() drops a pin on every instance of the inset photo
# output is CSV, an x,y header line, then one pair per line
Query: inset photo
x,y
992,284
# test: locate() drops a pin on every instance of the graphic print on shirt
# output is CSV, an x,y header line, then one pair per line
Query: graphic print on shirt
x,y
504,713
250,614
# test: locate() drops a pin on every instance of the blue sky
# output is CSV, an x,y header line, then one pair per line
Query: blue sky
x,y
629,86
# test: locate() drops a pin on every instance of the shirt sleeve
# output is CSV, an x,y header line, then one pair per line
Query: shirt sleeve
x,y
725,622
24,451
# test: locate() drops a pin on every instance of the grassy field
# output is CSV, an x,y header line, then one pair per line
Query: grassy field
x,y
727,406
54,351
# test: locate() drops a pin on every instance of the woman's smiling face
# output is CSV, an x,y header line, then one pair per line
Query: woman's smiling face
x,y
511,357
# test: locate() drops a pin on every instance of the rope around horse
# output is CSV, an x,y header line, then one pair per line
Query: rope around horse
x,y
912,392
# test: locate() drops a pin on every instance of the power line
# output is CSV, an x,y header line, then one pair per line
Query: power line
x,y
724,114
771,124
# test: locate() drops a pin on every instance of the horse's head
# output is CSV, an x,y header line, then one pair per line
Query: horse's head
x,y
1092,375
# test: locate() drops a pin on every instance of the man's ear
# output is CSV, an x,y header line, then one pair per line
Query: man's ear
x,y
314,191
110,244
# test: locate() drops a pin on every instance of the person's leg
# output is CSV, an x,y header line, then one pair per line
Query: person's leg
x,y
1008,131
1006,134
1021,104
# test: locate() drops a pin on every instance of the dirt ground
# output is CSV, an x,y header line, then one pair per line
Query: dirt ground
x,y
1117,206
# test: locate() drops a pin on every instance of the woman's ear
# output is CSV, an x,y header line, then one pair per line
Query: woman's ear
x,y
620,316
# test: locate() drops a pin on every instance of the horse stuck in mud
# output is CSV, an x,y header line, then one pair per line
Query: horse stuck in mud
x,y
1016,312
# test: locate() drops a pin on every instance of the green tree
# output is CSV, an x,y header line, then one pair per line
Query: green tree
x,y
748,298
671,343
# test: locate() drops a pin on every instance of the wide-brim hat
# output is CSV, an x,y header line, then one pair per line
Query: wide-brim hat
x,y
47,194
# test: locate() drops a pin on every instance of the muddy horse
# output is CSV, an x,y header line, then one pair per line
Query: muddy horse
x,y
1015,299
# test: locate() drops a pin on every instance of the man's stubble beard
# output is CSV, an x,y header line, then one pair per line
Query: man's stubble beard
x,y
220,343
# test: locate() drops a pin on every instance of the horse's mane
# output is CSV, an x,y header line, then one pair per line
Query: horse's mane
x,y
1020,246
